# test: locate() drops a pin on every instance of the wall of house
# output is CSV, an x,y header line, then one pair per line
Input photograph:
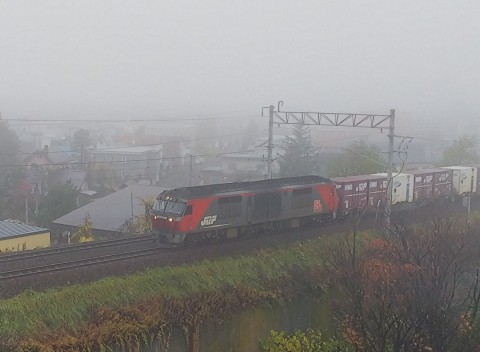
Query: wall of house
x,y
61,234
126,165
40,240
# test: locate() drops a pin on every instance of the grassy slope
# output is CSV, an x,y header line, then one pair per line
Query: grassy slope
x,y
33,314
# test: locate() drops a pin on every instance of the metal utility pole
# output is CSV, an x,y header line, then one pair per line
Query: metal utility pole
x,y
377,121
26,208
270,142
191,170
271,112
388,205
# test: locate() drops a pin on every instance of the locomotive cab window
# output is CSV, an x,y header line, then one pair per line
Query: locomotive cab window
x,y
301,198
188,210
159,205
229,207
169,206
175,207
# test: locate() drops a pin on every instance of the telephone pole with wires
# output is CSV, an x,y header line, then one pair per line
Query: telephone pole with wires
x,y
191,175
376,121
391,140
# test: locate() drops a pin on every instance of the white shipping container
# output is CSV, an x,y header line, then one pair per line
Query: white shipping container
x,y
402,190
464,178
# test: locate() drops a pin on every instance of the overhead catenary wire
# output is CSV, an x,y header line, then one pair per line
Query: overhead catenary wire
x,y
129,161
187,118
146,145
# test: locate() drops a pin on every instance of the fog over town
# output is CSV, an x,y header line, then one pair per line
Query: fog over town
x,y
192,78
239,175
131,60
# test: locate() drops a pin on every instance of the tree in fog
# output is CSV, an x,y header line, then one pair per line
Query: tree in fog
x,y
84,232
140,224
358,159
81,140
298,157
11,206
58,201
462,151
9,149
417,290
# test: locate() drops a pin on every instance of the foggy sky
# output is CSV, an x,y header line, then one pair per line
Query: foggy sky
x,y
142,59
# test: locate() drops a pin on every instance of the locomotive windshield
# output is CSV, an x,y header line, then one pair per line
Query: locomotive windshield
x,y
169,206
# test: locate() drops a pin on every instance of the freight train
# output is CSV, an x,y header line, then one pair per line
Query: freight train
x,y
222,211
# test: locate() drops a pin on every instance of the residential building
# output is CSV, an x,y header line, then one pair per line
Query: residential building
x,y
130,162
17,236
109,215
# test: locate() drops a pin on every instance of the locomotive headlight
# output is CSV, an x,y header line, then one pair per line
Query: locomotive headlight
x,y
155,217
170,219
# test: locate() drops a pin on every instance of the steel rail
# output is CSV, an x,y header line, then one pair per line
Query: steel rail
x,y
38,253
79,263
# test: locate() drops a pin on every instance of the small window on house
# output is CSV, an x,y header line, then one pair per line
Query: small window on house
x,y
348,187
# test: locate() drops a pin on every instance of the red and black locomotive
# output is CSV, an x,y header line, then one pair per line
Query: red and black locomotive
x,y
192,214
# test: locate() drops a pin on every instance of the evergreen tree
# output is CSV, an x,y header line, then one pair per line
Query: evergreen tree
x,y
298,156
60,200
81,140
9,147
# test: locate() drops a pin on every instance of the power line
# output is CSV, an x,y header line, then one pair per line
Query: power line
x,y
82,121
147,145
128,161
356,120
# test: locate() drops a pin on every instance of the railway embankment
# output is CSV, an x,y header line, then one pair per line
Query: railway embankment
x,y
132,310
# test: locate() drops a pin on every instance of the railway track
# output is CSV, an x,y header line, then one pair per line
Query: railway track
x,y
70,248
79,263
85,269
55,255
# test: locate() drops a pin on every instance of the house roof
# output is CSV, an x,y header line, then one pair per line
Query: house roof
x,y
13,229
52,157
110,213
128,150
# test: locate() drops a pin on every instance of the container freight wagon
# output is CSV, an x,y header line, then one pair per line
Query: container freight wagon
x,y
402,187
377,191
352,193
431,183
464,179
360,192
